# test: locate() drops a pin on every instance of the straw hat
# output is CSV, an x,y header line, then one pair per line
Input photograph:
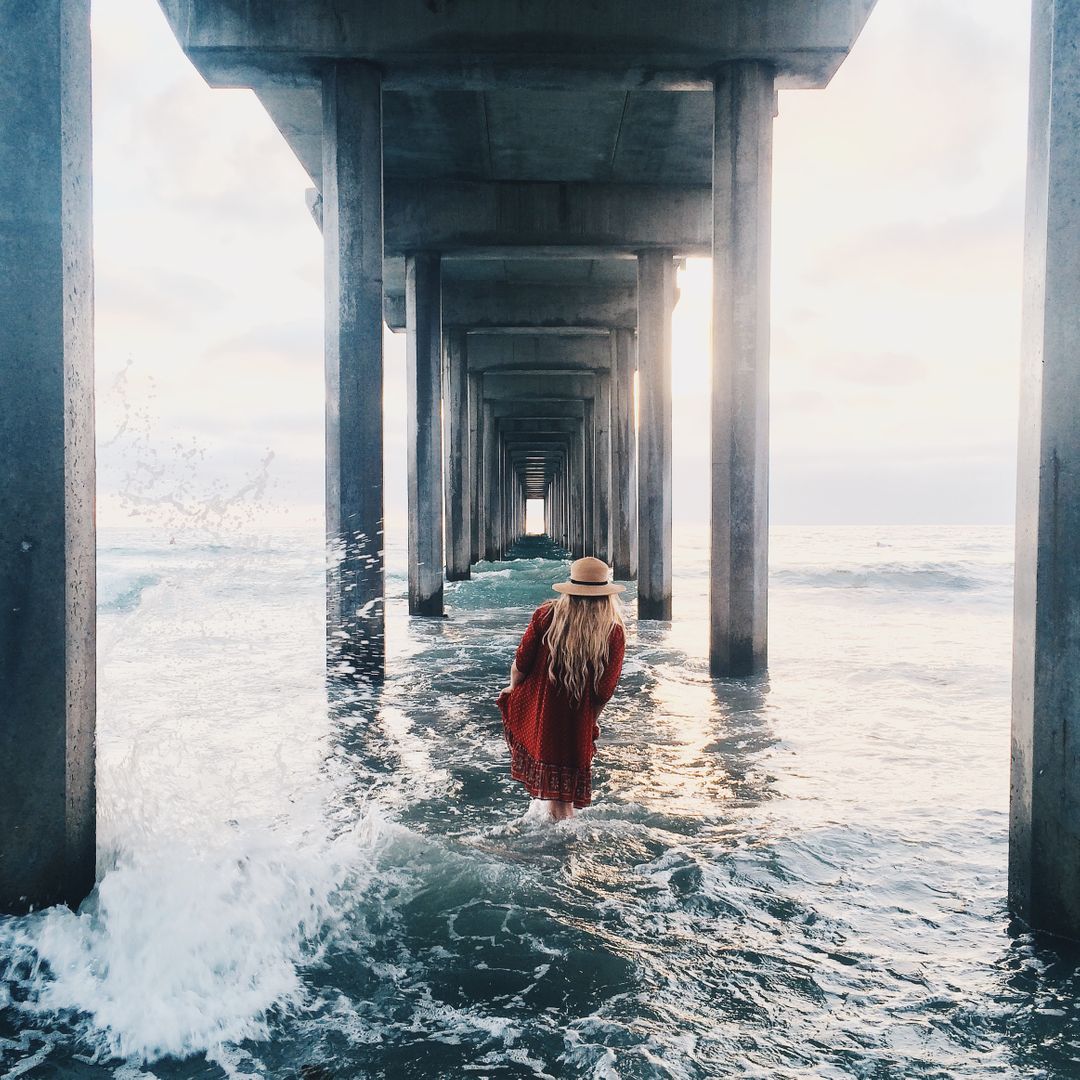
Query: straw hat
x,y
589,577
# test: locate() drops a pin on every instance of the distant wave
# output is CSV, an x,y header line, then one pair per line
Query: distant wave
x,y
900,576
130,595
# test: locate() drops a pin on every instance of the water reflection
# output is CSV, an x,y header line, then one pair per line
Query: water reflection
x,y
609,923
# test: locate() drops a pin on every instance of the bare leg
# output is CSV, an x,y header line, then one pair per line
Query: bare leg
x,y
560,811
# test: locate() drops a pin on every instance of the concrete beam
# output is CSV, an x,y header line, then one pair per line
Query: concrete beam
x,y
1044,832
475,305
739,575
532,427
487,44
353,246
488,352
47,545
459,217
531,387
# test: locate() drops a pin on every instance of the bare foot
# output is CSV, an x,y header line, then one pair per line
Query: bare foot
x,y
549,810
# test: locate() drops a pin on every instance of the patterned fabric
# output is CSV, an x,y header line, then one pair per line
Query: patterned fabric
x,y
551,739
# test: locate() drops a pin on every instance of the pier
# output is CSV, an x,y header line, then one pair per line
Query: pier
x,y
512,187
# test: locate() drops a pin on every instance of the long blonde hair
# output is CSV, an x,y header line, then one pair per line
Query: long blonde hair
x,y
577,640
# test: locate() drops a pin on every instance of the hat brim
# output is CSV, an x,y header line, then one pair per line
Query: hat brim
x,y
571,589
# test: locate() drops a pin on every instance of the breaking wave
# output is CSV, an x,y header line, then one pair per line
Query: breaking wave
x,y
894,576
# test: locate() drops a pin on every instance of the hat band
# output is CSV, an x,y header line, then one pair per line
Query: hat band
x,y
599,584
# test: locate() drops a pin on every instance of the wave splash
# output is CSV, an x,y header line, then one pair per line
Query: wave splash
x,y
179,952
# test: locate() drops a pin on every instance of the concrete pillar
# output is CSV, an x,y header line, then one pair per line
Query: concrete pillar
x,y
624,540
555,524
457,422
510,504
577,495
47,546
498,510
505,496
1044,835
742,184
491,487
602,470
552,510
352,217
423,364
564,498
589,478
568,496
475,453
508,500
656,298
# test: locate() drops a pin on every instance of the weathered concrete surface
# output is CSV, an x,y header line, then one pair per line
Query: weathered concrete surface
x,y
538,352
548,398
577,495
538,152
474,216
623,456
352,208
475,305
1044,840
457,427
423,364
656,298
742,185
618,43
568,270
47,545
602,468
520,427
476,449
491,500
528,386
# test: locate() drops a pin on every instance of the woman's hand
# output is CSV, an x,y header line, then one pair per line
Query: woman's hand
x,y
504,693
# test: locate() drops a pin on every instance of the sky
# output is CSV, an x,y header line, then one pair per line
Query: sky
x,y
897,242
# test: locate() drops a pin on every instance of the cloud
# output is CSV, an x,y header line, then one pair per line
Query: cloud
x,y
156,295
894,490
298,343
966,252
801,401
917,91
881,369
235,165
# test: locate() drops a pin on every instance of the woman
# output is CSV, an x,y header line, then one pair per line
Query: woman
x,y
563,673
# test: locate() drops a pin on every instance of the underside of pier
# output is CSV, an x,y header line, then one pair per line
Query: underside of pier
x,y
514,186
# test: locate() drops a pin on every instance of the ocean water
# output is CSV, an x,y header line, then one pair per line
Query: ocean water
x,y
797,875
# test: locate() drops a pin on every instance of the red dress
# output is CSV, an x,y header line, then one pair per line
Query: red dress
x,y
551,739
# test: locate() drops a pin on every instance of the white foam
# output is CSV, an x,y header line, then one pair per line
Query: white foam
x,y
181,951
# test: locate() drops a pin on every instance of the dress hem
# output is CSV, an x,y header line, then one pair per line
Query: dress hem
x,y
567,783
